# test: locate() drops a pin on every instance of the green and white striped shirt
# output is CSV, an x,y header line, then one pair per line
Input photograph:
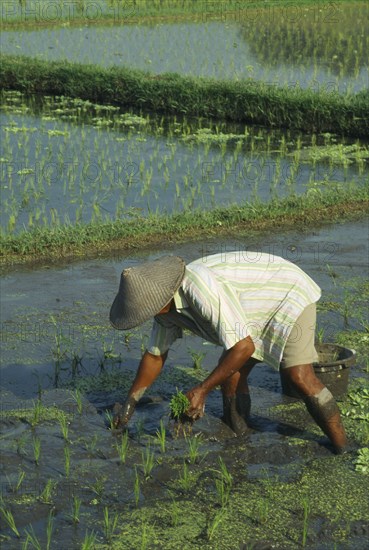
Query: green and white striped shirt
x,y
226,297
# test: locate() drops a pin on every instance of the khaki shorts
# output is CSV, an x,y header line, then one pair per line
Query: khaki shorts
x,y
300,348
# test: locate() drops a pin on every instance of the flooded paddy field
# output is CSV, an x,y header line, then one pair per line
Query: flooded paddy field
x,y
65,161
323,49
67,479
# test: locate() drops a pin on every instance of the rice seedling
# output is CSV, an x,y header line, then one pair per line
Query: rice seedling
x,y
320,335
89,541
346,307
187,479
15,487
58,353
8,517
148,462
90,444
32,538
178,404
36,445
76,506
223,491
76,364
194,443
333,275
136,489
122,447
225,474
110,524
49,530
197,358
47,493
109,353
214,523
77,396
64,425
98,486
161,436
224,484
174,511
37,413
109,416
143,348
127,338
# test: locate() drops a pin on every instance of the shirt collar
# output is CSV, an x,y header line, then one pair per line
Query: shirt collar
x,y
179,300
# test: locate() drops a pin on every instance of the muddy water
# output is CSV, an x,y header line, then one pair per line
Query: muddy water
x,y
58,313
309,46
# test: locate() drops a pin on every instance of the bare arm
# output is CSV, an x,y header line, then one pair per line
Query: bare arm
x,y
232,361
148,370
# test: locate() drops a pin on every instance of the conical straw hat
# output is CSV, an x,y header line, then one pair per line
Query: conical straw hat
x,y
144,290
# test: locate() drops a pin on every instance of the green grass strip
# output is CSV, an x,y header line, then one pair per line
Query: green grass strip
x,y
20,14
124,234
248,101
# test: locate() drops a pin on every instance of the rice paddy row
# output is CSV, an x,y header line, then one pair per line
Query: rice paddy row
x,y
27,13
68,161
245,101
308,53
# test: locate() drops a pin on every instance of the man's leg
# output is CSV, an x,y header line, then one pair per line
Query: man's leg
x,y
299,354
236,399
320,403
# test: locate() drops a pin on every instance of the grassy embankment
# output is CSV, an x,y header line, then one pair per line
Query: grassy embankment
x,y
244,101
22,15
82,239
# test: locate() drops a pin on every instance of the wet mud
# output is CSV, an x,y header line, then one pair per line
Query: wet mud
x,y
279,448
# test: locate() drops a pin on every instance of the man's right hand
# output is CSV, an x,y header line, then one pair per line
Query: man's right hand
x,y
122,413
197,397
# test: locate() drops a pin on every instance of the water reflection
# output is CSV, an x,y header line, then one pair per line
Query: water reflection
x,y
337,39
66,161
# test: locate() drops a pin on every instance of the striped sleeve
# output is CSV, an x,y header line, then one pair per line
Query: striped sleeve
x,y
162,337
217,303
